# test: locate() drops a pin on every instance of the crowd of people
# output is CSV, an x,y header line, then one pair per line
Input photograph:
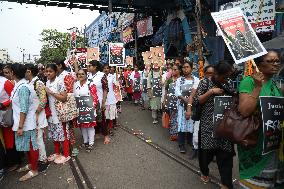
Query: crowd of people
x,y
31,97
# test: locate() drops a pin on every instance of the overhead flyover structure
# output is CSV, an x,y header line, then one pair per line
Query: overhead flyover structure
x,y
131,6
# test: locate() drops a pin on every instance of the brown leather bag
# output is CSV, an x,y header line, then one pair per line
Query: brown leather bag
x,y
238,129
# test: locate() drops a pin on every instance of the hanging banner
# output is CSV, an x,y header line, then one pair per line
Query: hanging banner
x,y
86,109
238,35
250,8
116,54
127,35
145,27
93,53
129,61
73,38
272,109
280,6
81,56
158,56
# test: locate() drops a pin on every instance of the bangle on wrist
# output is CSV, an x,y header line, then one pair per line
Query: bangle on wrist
x,y
189,105
253,97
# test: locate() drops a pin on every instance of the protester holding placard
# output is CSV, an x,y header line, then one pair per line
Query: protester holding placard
x,y
100,80
185,90
209,146
256,169
87,101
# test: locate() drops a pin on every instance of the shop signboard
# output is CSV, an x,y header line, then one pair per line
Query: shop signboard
x,y
250,8
238,35
93,53
116,54
272,109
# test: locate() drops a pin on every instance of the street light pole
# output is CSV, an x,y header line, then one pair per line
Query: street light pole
x,y
23,56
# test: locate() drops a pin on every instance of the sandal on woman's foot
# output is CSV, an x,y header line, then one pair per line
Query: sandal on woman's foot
x,y
62,160
52,157
28,176
107,140
89,148
23,169
204,179
75,152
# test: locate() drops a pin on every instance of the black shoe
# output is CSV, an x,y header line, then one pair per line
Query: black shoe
x,y
89,148
182,149
193,154
42,166
1,174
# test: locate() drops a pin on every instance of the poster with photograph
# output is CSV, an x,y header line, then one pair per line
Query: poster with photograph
x,y
145,27
81,56
116,54
158,56
93,53
129,60
127,35
238,35
250,9
272,109
73,38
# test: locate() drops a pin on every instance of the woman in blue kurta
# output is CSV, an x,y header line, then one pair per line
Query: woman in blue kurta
x,y
185,89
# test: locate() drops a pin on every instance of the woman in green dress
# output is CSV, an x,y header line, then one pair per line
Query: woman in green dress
x,y
257,170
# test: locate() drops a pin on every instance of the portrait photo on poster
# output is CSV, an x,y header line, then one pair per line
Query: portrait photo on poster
x,y
238,35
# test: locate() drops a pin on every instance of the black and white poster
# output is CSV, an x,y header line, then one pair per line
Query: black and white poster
x,y
86,109
221,103
272,109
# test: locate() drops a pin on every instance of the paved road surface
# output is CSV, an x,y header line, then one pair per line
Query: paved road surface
x,y
127,162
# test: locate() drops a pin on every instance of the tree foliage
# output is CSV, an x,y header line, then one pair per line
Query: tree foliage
x,y
55,45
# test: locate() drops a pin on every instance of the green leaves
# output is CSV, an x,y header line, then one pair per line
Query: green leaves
x,y
55,45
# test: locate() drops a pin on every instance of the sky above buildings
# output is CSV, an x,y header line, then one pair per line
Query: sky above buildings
x,y
21,25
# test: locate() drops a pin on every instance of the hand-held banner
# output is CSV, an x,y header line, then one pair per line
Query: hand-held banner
x,y
87,113
272,109
116,54
238,35
221,103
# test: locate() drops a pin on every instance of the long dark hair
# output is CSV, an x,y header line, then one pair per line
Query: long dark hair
x,y
19,70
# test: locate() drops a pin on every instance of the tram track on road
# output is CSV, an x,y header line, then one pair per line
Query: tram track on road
x,y
80,175
185,163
